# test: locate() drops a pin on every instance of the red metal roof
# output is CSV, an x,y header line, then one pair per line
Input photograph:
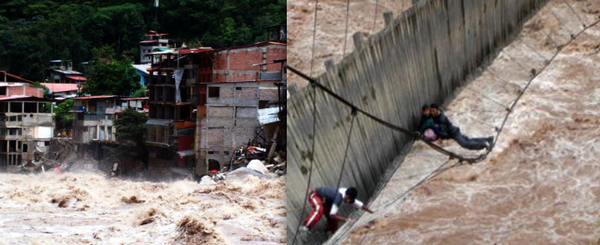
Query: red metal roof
x,y
136,98
95,97
77,78
17,77
193,51
23,97
61,87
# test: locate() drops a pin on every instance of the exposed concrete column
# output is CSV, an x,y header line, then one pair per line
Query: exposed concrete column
x,y
388,17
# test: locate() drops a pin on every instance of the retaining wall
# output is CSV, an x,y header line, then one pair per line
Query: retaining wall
x,y
422,56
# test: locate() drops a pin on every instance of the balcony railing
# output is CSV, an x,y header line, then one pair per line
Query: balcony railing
x,y
185,132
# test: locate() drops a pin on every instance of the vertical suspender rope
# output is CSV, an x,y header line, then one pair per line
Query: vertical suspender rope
x,y
347,148
312,161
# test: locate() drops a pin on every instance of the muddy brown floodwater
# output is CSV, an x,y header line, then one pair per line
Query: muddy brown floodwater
x,y
87,208
541,184
364,16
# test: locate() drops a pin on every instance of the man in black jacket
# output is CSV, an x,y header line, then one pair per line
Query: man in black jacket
x,y
446,130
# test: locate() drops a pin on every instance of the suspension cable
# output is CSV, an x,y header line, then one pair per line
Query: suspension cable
x,y
575,12
451,155
346,152
312,59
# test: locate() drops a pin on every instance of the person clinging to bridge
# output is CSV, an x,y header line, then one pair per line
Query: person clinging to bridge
x,y
445,130
427,126
325,201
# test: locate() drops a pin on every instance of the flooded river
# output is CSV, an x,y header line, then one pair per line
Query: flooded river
x,y
87,208
541,184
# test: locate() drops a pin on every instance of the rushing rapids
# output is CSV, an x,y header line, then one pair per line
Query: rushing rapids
x,y
540,184
88,208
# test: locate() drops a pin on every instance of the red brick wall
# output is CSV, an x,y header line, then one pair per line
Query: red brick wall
x,y
29,91
275,54
242,59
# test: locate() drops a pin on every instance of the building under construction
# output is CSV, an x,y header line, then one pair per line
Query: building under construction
x,y
203,103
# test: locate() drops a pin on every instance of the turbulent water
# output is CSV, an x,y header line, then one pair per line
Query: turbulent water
x,y
541,184
364,16
87,208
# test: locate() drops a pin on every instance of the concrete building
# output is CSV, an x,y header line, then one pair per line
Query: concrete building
x,y
244,80
153,41
60,91
203,103
26,124
171,103
249,63
93,118
231,120
140,104
61,71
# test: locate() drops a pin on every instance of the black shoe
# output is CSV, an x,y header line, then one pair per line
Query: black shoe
x,y
490,143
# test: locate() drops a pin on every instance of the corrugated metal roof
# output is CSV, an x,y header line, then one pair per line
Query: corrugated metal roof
x,y
159,122
194,50
61,87
136,98
77,78
22,97
95,97
268,115
142,68
11,84
68,72
17,77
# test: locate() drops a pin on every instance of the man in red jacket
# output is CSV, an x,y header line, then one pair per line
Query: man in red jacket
x,y
326,201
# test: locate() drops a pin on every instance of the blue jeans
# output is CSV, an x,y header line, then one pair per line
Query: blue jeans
x,y
470,143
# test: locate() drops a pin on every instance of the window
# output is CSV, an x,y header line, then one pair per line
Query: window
x,y
263,104
3,91
226,153
238,88
213,92
25,147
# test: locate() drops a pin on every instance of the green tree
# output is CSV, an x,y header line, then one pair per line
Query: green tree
x,y
111,74
33,32
63,115
131,126
140,92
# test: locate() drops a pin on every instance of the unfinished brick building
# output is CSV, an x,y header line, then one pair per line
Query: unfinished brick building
x,y
213,108
245,79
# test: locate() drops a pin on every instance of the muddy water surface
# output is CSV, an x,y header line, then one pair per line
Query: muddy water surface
x,y
87,208
541,184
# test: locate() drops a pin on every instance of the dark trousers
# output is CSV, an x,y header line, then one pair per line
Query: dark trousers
x,y
470,143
